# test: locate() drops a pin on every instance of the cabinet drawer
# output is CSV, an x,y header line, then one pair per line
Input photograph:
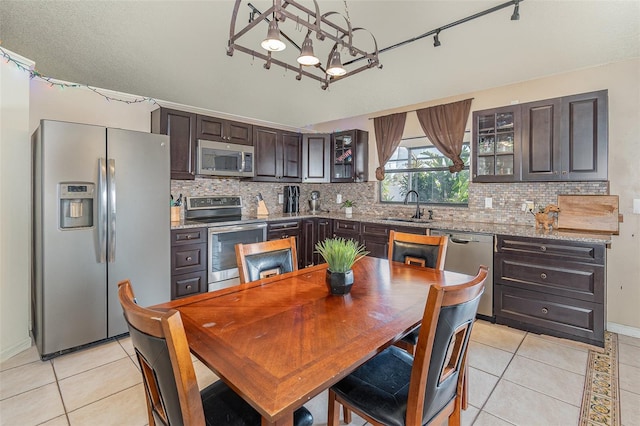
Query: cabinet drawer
x,y
374,229
188,259
582,281
186,284
411,230
572,251
280,226
550,314
346,225
188,236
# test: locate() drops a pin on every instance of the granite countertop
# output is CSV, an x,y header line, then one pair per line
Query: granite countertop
x,y
477,227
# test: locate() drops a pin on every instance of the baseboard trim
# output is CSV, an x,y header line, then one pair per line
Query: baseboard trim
x,y
623,329
15,349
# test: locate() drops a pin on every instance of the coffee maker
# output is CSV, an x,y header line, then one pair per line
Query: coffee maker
x,y
314,202
291,199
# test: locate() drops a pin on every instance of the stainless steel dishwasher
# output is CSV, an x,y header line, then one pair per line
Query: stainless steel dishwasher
x,y
466,251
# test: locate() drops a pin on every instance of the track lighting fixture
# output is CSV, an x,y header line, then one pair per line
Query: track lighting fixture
x,y
516,12
436,39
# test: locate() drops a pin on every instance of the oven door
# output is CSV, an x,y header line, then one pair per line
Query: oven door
x,y
222,266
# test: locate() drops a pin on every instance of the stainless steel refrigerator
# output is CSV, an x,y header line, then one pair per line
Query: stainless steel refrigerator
x,y
100,215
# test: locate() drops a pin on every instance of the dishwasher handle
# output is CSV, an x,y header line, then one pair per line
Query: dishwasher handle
x,y
460,241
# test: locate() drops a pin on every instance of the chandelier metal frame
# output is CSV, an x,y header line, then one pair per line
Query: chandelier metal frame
x,y
315,23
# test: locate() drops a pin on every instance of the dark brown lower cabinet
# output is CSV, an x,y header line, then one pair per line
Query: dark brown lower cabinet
x,y
286,229
555,287
314,230
188,262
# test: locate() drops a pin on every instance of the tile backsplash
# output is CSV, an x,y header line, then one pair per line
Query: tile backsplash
x,y
507,198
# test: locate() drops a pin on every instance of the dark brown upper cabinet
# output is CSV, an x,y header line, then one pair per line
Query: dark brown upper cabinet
x,y
584,136
560,139
316,158
277,155
496,145
181,128
541,140
350,156
566,138
221,130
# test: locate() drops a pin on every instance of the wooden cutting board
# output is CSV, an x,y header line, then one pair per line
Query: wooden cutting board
x,y
593,213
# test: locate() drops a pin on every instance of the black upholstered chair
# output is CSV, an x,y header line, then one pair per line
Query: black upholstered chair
x,y
395,388
169,379
267,258
422,250
414,249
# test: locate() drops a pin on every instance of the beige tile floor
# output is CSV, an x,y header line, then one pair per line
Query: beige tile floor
x,y
516,378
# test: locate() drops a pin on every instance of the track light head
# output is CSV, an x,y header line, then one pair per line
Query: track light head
x,y
516,12
436,39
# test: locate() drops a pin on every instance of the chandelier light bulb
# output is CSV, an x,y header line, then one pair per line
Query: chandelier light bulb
x,y
335,68
307,56
273,43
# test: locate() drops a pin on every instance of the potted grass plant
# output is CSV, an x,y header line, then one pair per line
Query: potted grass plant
x,y
340,254
348,207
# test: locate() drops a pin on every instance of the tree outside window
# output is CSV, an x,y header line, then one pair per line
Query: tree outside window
x,y
424,169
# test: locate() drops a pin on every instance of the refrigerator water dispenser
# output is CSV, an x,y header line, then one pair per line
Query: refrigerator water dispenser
x,y
76,205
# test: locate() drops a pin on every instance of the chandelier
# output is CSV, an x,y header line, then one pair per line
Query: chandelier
x,y
332,38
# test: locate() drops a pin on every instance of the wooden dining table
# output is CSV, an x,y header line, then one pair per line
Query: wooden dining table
x,y
280,341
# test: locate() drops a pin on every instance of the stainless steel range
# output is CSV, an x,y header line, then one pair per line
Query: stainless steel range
x,y
223,216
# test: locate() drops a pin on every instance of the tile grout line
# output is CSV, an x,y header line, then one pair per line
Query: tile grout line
x,y
499,380
64,406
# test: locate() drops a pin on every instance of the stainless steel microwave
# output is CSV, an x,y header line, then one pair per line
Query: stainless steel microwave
x,y
224,159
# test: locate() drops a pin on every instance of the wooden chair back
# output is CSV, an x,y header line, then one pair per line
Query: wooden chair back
x,y
422,250
162,350
267,258
436,386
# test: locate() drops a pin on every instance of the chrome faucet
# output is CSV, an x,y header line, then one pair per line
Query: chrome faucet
x,y
418,213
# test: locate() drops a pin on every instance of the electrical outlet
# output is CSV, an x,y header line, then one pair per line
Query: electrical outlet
x,y
488,203
280,198
339,198
529,206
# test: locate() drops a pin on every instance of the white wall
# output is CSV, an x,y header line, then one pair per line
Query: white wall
x,y
622,79
15,235
84,106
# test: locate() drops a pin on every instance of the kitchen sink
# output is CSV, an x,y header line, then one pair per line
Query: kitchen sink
x,y
406,219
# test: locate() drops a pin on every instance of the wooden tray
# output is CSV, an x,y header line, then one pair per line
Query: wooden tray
x,y
592,213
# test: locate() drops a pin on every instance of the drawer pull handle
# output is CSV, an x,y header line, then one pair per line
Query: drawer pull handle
x,y
189,287
543,276
188,258
545,310
543,248
189,237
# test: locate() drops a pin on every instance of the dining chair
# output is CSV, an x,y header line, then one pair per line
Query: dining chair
x,y
395,388
415,249
266,258
422,250
169,379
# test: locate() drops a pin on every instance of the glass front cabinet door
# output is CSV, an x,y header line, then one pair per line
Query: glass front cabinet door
x,y
349,156
496,144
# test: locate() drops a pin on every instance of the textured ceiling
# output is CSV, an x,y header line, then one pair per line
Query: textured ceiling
x,y
176,51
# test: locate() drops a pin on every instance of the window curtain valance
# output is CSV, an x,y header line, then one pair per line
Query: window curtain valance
x,y
444,125
388,131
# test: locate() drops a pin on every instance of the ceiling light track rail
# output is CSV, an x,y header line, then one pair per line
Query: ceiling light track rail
x,y
436,32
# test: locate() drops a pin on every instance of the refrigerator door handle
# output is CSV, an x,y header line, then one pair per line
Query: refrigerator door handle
x,y
102,210
111,178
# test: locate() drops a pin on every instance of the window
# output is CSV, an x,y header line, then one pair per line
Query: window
x,y
418,165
